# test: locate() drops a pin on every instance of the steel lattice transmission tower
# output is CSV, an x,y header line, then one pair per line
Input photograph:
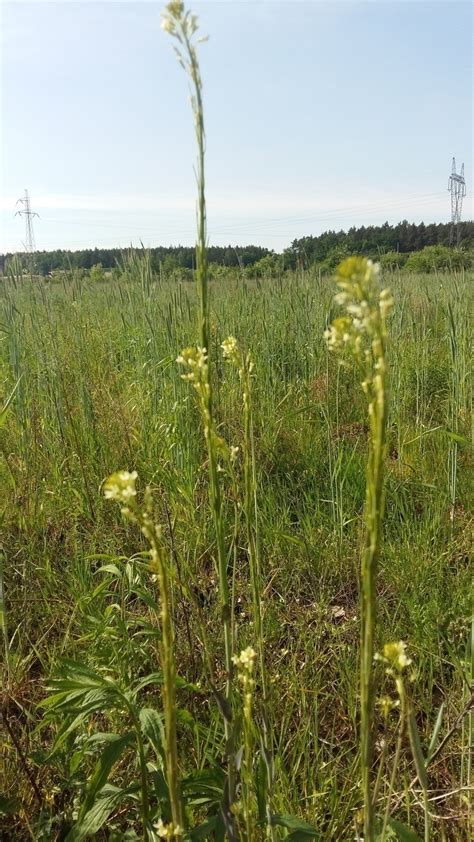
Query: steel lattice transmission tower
x,y
26,211
457,186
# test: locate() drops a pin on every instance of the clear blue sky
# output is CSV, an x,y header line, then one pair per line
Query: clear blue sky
x,y
319,115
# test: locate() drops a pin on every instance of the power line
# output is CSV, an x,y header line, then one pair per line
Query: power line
x,y
457,186
26,211
421,199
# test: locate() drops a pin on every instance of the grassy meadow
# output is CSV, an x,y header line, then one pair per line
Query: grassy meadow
x,y
99,389
269,637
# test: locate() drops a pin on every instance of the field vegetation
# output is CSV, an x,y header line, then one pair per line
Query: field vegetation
x,y
269,637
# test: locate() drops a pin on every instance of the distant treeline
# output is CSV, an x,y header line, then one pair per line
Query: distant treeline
x,y
324,250
376,240
166,257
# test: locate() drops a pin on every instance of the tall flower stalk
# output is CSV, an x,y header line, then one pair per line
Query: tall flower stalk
x,y
182,26
245,366
361,334
245,669
121,488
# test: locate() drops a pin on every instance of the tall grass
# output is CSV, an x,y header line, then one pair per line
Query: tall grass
x,y
130,407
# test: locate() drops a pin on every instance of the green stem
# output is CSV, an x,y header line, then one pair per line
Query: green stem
x,y
251,515
373,519
202,282
169,674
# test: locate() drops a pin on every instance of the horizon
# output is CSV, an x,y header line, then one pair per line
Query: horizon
x,y
282,162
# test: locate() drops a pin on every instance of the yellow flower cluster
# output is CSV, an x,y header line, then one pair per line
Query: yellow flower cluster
x,y
366,307
197,362
230,349
120,486
394,655
245,661
182,25
168,831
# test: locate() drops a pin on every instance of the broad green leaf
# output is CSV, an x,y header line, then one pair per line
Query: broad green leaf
x,y
110,568
148,600
457,438
404,833
204,786
103,767
151,678
108,799
203,830
152,728
296,825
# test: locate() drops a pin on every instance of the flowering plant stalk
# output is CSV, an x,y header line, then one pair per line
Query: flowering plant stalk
x,y
121,488
183,26
246,807
361,334
245,366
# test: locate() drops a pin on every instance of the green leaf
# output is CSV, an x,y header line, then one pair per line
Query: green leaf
x,y
420,763
303,830
457,438
434,736
152,727
3,411
203,830
151,678
110,568
404,833
204,786
101,772
108,799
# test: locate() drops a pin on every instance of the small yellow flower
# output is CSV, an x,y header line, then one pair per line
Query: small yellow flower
x,y
394,654
386,705
120,486
196,361
167,24
167,831
230,349
245,660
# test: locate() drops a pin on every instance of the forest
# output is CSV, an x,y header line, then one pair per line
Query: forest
x,y
383,242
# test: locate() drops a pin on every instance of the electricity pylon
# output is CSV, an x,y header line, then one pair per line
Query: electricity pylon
x,y
26,211
457,186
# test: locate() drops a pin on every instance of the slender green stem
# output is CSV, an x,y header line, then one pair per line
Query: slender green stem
x,y
251,515
373,517
159,563
183,26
